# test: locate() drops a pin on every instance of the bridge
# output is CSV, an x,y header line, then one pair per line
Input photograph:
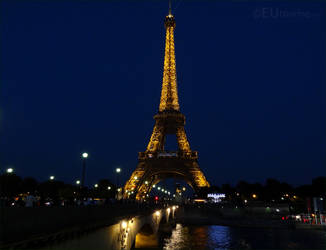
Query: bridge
x,y
120,226
141,231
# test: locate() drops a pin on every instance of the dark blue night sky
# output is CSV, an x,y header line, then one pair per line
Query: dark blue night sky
x,y
86,76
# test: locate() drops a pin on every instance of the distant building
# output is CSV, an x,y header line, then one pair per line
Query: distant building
x,y
215,197
318,204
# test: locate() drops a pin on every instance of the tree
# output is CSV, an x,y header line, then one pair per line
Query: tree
x,y
304,191
319,186
214,189
228,191
105,189
50,189
29,185
286,188
10,184
243,188
67,192
272,189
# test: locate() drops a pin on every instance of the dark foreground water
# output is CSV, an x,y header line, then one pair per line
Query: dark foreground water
x,y
207,237
222,237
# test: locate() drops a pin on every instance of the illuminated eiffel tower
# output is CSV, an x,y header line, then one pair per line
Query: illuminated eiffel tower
x,y
155,164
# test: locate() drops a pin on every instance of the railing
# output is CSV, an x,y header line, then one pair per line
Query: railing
x,y
21,223
165,154
313,219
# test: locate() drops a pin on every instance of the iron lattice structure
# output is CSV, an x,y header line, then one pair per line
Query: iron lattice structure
x,y
155,164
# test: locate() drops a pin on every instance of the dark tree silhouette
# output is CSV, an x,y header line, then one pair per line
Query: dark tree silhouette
x,y
10,184
103,190
29,185
319,186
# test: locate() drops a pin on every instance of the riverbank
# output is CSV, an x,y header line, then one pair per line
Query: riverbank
x,y
246,222
238,218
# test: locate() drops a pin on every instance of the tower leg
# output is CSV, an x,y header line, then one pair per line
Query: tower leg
x,y
156,141
182,140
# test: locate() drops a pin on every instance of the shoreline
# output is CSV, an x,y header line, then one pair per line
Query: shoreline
x,y
247,222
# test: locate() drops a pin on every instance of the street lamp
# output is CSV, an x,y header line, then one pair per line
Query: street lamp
x,y
109,188
3,191
84,156
96,185
118,170
124,224
51,177
10,170
78,182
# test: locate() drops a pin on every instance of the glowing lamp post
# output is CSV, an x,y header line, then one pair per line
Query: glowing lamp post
x,y
118,171
84,156
3,190
157,215
124,225
51,177
10,170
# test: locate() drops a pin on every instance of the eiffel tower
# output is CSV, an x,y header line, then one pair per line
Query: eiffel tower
x,y
156,164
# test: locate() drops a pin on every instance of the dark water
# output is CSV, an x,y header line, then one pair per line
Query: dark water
x,y
222,237
206,237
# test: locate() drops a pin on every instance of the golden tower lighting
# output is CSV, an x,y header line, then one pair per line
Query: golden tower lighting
x,y
155,164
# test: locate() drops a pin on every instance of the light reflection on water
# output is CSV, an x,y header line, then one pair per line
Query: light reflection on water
x,y
179,238
221,237
199,237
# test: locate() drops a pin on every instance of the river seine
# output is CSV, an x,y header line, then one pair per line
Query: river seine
x,y
211,237
223,237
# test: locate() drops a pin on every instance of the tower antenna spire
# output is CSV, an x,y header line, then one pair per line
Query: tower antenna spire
x,y
170,7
